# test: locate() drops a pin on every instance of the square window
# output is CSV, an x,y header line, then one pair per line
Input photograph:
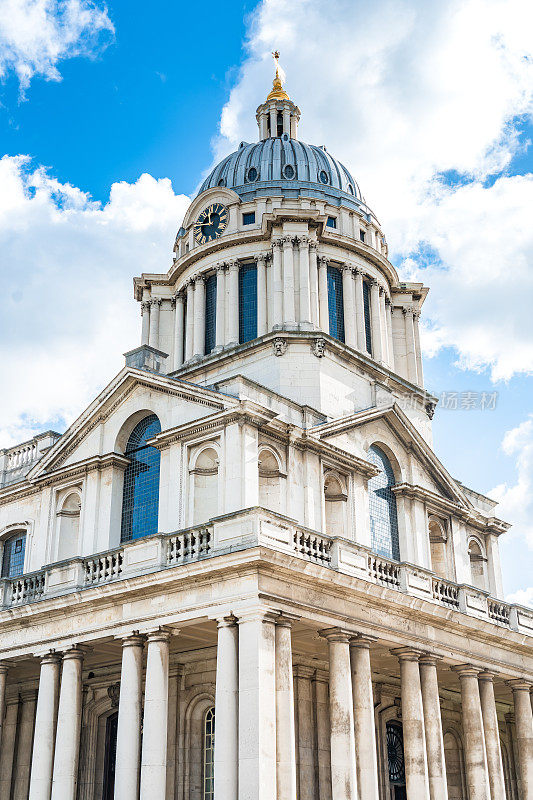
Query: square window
x,y
331,222
248,218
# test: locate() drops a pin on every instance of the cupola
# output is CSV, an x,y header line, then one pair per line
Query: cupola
x,y
278,116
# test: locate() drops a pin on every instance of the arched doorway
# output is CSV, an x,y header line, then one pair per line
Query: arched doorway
x,y
110,756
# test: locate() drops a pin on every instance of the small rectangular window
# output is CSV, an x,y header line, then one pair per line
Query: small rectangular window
x,y
362,235
331,222
248,218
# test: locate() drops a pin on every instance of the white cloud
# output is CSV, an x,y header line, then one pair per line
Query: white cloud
x,y
402,92
69,313
516,500
524,597
35,35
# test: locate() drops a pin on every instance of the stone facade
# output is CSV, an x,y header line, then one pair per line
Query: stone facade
x,y
249,526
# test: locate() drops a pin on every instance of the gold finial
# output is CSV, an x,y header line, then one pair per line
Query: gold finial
x,y
278,92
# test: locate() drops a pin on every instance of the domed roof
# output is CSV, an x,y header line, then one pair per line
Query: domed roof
x,y
287,166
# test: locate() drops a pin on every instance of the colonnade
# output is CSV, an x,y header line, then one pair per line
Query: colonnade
x,y
292,294
255,743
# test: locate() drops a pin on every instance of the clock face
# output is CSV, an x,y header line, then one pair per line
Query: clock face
x,y
211,223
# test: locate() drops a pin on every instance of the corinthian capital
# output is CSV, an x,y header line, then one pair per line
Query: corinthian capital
x,y
303,241
287,240
156,301
277,243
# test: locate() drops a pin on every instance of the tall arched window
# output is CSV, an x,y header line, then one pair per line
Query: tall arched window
x,y
247,303
140,499
210,313
13,555
383,516
209,755
366,312
335,304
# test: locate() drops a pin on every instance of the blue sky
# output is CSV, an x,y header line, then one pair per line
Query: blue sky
x,y
429,107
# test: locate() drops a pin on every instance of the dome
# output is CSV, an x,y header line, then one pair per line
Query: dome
x,y
287,166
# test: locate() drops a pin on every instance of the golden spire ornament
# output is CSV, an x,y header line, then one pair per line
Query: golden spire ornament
x,y
278,92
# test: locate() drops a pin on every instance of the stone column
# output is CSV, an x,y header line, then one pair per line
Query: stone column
x,y
348,293
375,321
277,285
418,353
179,323
360,312
323,736
410,345
129,719
45,728
414,741
492,736
383,326
261,295
227,710
289,315
232,308
524,735
199,316
388,314
285,736
363,711
3,682
155,307
145,313
342,738
257,708
305,286
305,738
273,121
220,322
155,721
67,746
189,323
24,745
313,282
323,293
474,741
7,752
438,787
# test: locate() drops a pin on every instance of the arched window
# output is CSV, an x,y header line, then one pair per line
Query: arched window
x,y
477,564
69,527
247,303
366,312
140,499
453,756
396,761
205,486
269,481
383,516
210,313
209,755
335,304
13,555
335,498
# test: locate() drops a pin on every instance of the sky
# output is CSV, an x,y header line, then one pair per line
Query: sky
x,y
110,115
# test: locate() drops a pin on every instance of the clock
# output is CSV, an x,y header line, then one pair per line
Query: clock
x,y
211,223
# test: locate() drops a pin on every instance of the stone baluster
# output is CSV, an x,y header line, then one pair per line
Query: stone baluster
x,y
129,719
474,741
232,307
189,324
24,745
305,286
277,285
363,709
285,734
67,745
227,710
438,786
414,740
323,293
524,735
220,318
45,728
199,316
155,720
145,313
492,736
261,295
313,282
342,737
289,315
348,293
179,322
375,321
155,308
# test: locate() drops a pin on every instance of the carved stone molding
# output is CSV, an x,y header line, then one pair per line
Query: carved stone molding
x,y
113,692
318,347
279,346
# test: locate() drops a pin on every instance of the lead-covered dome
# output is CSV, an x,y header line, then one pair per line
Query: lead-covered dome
x,y
287,166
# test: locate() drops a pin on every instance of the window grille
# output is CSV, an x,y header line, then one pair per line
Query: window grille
x,y
395,753
335,304
384,538
247,303
366,311
140,499
209,754
13,555
210,312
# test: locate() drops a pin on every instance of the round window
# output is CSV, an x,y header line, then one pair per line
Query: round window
x,y
252,174
289,171
222,182
323,176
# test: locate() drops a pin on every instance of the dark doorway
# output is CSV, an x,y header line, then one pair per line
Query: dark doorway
x,y
110,756
396,761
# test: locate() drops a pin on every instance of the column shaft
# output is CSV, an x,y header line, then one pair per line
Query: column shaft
x,y
67,746
524,735
129,720
348,293
24,746
360,312
410,346
323,735
277,285
232,308
492,736
261,295
343,770
304,710
418,351
438,787
289,316
227,711
220,324
7,752
285,736
388,309
179,323
383,326
375,318
3,682
474,740
313,283
305,287
199,316
145,313
189,331
363,709
45,728
155,722
155,306
416,768
323,294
